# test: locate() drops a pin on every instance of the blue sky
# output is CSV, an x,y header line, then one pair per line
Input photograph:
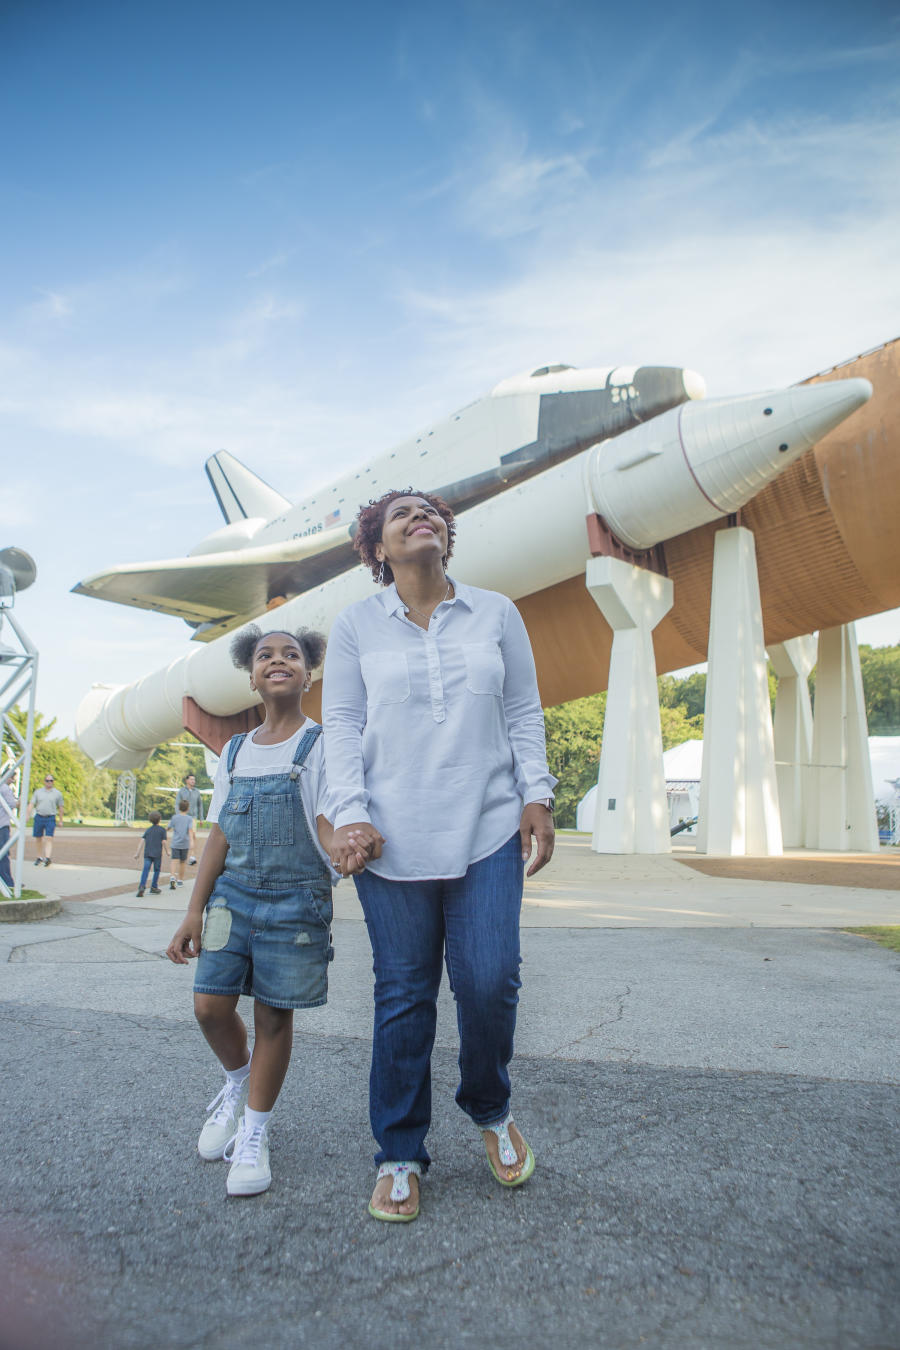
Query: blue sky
x,y
301,234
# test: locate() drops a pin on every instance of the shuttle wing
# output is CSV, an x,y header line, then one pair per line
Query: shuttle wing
x,y
218,591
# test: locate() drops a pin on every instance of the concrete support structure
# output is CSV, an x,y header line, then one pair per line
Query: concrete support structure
x,y
792,662
631,813
841,800
738,789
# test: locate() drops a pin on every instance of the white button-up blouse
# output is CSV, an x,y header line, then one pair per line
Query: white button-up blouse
x,y
435,736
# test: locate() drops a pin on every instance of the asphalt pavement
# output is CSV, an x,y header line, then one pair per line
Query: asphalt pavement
x,y
707,1069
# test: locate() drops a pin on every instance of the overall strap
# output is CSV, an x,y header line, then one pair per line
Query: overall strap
x,y
306,743
234,746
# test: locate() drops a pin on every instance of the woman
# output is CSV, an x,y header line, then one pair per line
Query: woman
x,y
435,736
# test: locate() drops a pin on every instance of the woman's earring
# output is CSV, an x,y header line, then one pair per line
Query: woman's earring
x,y
381,575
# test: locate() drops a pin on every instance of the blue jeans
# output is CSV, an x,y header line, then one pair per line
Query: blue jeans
x,y
5,869
156,864
476,917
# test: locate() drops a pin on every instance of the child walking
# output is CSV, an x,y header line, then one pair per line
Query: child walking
x,y
264,882
155,846
182,827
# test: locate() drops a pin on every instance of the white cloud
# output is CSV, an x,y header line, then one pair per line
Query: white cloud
x,y
760,254
271,264
52,305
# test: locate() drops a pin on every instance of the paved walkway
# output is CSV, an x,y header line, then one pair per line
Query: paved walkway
x,y
707,1069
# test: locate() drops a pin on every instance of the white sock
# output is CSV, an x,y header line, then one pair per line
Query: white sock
x,y
253,1118
238,1075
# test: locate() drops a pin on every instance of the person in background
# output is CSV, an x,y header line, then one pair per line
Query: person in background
x,y
47,805
190,793
182,827
8,805
155,846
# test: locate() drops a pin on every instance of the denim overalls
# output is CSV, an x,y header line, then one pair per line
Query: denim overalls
x,y
267,928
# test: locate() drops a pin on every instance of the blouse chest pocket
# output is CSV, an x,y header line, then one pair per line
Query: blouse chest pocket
x,y
485,671
386,677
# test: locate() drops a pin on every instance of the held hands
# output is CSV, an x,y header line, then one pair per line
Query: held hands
x,y
352,846
537,820
185,945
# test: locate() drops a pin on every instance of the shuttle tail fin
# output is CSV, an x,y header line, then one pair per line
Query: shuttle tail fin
x,y
239,492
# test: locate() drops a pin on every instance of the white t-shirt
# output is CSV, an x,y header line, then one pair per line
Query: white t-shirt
x,y
46,801
254,760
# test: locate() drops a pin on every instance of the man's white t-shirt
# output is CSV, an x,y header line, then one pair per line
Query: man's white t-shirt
x,y
255,760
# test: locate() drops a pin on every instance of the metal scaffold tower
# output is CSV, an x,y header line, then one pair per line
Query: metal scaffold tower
x,y
126,787
18,682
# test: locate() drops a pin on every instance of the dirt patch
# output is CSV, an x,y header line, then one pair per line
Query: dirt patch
x,y
872,873
114,847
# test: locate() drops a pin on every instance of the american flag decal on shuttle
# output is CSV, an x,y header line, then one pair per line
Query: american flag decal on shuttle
x,y
332,518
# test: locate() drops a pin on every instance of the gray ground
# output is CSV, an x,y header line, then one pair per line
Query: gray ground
x,y
713,1109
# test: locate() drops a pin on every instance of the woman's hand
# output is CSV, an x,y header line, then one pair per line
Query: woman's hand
x,y
185,945
352,846
537,820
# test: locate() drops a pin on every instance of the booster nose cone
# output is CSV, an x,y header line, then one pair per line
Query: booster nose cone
x,y
735,446
694,384
706,459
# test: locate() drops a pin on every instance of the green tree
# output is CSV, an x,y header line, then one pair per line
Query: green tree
x,y
164,772
677,726
56,756
574,732
98,798
881,685
688,692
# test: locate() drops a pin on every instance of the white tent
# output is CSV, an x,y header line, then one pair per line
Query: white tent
x,y
682,767
884,752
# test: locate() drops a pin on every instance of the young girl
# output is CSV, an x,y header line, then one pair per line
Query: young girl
x,y
265,886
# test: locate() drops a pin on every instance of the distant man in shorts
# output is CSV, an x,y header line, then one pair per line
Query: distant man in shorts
x,y
47,805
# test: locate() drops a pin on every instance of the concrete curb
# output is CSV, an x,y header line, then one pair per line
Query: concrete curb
x,y
27,911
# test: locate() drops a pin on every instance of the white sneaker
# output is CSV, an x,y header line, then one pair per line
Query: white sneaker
x,y
220,1127
248,1153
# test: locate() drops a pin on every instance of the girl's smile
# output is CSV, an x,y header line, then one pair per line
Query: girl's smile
x,y
277,660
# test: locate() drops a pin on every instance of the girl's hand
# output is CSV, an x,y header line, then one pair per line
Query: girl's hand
x,y
185,945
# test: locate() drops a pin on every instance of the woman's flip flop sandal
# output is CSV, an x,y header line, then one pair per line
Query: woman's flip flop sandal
x,y
508,1155
401,1172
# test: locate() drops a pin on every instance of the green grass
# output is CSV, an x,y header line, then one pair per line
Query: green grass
x,y
26,895
886,935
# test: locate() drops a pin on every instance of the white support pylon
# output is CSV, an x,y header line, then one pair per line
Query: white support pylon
x,y
631,814
792,661
841,799
738,789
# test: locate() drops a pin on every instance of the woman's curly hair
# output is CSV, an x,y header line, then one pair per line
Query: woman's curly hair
x,y
370,522
245,643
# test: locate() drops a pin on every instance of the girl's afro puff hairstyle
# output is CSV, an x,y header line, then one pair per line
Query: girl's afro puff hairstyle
x,y
245,643
370,522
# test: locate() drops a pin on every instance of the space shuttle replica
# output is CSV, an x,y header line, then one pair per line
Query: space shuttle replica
x,y
551,469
